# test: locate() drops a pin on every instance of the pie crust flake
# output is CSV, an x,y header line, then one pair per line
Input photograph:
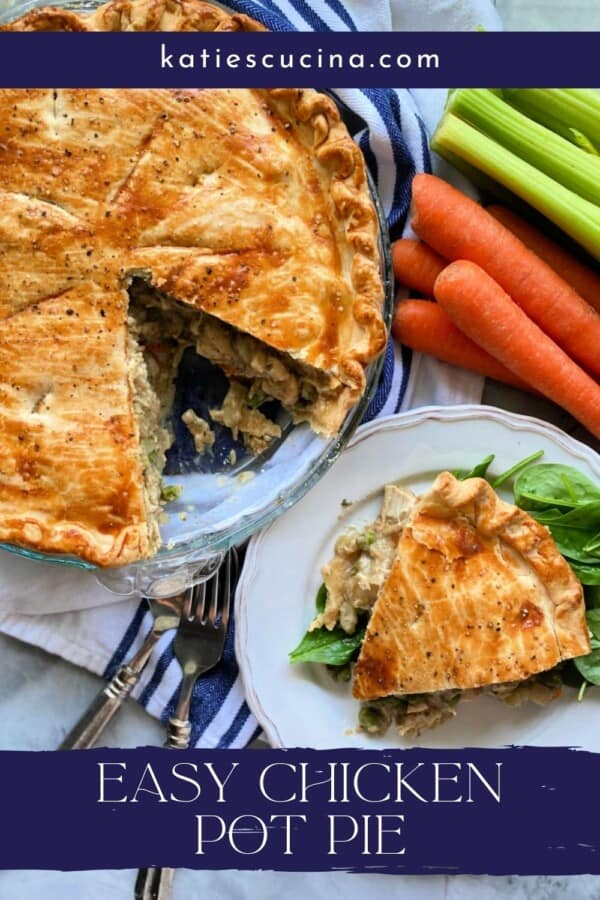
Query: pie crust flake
x,y
246,212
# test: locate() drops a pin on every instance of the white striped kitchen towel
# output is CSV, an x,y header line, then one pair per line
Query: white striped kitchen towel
x,y
392,133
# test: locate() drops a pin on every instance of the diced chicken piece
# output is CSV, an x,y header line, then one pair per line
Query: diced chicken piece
x,y
238,414
199,429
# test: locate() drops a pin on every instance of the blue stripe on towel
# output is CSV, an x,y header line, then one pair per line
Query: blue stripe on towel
x,y
312,19
385,384
370,158
164,661
387,104
235,727
407,358
340,10
424,146
265,12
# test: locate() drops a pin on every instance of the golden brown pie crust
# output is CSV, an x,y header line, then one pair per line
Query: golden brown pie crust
x,y
478,594
252,205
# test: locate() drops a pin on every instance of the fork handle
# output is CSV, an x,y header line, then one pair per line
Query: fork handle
x,y
105,704
92,723
178,734
154,884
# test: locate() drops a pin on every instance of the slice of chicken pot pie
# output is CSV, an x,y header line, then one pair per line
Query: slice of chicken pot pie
x,y
477,594
241,224
471,597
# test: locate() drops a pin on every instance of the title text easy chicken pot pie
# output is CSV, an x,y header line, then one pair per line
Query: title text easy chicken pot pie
x,y
236,222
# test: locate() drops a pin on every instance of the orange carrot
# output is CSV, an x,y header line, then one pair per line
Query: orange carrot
x,y
459,228
480,308
416,265
581,277
426,327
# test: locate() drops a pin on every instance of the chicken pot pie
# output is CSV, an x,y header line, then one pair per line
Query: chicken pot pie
x,y
134,223
466,594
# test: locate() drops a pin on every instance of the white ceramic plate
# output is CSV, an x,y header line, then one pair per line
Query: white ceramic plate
x,y
301,705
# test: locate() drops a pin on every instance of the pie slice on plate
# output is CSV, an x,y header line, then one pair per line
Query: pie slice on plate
x,y
478,594
240,222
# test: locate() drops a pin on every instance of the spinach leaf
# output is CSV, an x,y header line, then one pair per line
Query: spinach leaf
x,y
478,471
584,517
331,647
592,596
589,665
593,544
593,620
321,599
514,470
576,532
570,543
334,648
570,674
481,469
552,484
587,574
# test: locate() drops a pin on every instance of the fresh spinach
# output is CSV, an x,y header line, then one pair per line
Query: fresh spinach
x,y
554,485
481,469
334,648
568,503
587,575
321,599
478,471
592,596
514,470
589,665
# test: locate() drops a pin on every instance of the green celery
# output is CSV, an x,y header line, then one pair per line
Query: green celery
x,y
493,192
561,109
560,159
577,217
582,141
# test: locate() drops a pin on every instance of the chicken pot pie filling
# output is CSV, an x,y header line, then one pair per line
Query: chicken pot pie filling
x,y
162,328
364,590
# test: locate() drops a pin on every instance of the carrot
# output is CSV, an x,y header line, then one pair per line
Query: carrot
x,y
480,308
459,228
581,277
426,327
416,265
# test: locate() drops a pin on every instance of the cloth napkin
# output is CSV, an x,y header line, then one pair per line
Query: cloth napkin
x,y
66,611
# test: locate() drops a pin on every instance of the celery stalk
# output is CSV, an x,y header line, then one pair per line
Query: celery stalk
x,y
561,160
488,187
493,192
577,217
560,109
583,141
590,97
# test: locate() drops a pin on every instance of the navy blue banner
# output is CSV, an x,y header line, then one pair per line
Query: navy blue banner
x,y
332,59
508,811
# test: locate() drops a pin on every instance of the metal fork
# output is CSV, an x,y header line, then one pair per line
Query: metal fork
x,y
198,648
199,642
166,614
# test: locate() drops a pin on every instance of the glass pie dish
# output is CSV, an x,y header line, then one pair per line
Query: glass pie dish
x,y
219,498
